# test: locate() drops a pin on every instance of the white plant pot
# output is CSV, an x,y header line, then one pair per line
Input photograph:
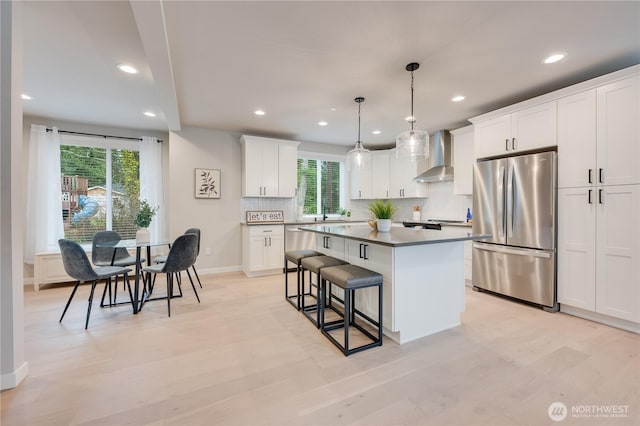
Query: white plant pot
x,y
384,225
416,216
143,235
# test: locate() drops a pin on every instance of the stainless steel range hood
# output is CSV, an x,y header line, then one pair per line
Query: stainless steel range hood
x,y
440,168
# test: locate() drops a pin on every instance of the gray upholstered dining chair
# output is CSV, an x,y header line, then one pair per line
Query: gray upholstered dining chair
x,y
196,231
77,265
181,257
104,256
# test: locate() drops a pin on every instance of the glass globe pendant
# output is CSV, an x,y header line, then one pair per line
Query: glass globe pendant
x,y
412,143
359,157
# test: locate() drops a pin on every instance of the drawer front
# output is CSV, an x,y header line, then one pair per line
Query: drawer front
x,y
266,230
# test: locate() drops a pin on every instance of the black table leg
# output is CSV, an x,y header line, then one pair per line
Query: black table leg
x,y
136,287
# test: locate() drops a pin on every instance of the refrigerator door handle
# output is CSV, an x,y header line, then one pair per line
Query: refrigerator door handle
x,y
510,201
501,201
507,250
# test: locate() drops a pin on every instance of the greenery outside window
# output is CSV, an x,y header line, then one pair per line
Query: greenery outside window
x,y
321,185
100,187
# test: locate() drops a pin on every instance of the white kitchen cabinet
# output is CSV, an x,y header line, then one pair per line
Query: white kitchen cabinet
x,y
360,183
598,136
599,250
262,249
401,173
577,139
468,261
268,167
380,174
463,160
523,130
377,258
330,245
618,132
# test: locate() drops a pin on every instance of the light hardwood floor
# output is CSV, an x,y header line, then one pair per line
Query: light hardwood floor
x,y
245,356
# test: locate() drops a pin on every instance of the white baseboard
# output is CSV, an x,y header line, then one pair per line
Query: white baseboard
x,y
220,270
604,319
27,281
11,380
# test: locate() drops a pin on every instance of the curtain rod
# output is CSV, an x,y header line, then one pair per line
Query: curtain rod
x,y
49,129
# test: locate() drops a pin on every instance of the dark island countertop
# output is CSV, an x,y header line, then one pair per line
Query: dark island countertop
x,y
398,236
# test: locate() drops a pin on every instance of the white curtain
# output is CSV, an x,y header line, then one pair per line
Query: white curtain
x,y
44,207
151,187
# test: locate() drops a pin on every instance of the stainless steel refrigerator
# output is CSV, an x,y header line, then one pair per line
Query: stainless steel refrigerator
x,y
514,200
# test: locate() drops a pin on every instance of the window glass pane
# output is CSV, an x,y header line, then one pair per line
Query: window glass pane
x,y
82,168
319,186
92,203
125,193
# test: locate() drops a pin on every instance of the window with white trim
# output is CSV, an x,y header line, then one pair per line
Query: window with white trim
x,y
321,184
100,186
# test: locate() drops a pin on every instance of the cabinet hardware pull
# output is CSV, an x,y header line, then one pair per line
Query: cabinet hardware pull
x,y
361,250
328,245
590,197
365,252
269,241
600,175
513,143
387,193
265,241
600,196
590,171
506,144
359,194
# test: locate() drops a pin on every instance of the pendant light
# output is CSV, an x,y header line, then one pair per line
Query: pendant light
x,y
359,157
412,143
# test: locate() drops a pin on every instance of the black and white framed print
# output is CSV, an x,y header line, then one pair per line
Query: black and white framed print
x,y
207,183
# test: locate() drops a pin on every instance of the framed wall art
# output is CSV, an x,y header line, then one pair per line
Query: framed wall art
x,y
207,183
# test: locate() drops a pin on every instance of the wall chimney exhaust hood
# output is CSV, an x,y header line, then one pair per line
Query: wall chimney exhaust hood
x,y
440,168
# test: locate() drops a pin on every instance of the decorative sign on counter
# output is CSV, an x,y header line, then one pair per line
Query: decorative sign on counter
x,y
265,216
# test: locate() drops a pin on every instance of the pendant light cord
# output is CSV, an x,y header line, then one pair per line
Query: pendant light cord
x,y
359,103
413,118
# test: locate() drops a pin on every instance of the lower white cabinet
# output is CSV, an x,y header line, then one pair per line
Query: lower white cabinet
x,y
262,250
599,250
330,245
468,260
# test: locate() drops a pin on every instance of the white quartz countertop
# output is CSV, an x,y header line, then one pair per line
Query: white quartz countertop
x,y
398,236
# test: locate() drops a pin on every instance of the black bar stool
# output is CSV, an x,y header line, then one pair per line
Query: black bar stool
x,y
315,264
295,256
351,278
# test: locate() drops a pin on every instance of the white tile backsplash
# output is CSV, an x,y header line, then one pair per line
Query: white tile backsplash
x,y
440,204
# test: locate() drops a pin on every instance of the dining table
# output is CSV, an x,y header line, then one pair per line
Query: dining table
x,y
138,298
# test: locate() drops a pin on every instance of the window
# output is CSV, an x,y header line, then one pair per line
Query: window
x,y
100,186
320,185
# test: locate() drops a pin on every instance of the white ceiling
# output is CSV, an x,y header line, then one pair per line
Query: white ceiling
x,y
211,64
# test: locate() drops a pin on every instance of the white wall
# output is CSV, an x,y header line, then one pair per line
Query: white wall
x,y
217,218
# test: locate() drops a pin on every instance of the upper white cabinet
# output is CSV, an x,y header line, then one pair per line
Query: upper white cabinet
x,y
401,173
380,174
618,132
268,167
523,130
360,183
599,136
463,160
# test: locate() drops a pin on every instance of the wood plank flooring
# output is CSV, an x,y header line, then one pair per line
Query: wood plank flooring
x,y
244,356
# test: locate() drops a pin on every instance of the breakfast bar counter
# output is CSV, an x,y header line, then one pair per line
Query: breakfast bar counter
x,y
423,271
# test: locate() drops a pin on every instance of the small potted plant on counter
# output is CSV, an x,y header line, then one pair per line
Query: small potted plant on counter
x,y
383,210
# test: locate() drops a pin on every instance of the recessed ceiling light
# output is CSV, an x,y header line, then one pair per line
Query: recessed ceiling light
x,y
26,97
258,112
457,98
127,68
149,114
334,108
376,132
554,58
322,123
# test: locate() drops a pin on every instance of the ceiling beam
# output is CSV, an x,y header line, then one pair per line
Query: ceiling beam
x,y
150,20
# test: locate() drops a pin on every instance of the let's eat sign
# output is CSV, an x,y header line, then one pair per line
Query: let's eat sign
x,y
265,216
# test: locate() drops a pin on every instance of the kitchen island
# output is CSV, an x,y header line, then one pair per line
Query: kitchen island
x,y
423,272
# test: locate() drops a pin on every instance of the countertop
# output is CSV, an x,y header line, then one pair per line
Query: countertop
x,y
398,236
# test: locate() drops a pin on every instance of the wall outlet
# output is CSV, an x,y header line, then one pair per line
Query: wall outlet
x,y
207,251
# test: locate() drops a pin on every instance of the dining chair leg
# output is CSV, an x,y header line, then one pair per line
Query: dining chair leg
x,y
93,287
115,290
104,294
197,277
169,293
75,287
193,286
128,284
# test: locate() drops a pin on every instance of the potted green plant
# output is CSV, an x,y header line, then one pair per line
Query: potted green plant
x,y
383,210
143,220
